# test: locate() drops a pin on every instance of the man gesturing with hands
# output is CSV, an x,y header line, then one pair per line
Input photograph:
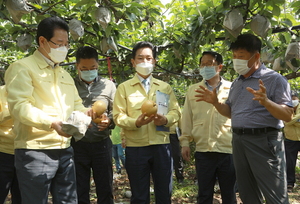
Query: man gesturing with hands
x,y
259,101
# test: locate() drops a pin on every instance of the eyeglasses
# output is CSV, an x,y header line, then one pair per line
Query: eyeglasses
x,y
60,45
201,66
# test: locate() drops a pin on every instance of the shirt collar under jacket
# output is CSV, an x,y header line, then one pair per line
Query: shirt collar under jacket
x,y
49,62
218,86
147,79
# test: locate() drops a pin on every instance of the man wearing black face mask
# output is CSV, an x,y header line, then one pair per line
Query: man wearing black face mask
x,y
211,133
94,150
259,101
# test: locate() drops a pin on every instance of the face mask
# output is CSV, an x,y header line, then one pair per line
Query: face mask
x,y
59,54
295,103
241,66
89,75
144,68
208,72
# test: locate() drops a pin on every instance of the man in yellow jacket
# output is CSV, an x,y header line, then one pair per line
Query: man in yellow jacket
x,y
8,177
211,131
41,95
147,147
292,143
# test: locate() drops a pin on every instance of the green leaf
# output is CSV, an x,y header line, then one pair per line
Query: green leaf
x,y
81,3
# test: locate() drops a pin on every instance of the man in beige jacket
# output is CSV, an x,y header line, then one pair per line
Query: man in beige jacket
x,y
204,125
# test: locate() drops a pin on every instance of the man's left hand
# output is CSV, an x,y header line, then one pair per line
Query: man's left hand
x,y
104,123
160,120
260,95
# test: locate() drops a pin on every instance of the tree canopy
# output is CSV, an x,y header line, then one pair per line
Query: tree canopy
x,y
191,27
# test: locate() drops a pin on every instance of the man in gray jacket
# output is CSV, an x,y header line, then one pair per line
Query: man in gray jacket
x,y
93,151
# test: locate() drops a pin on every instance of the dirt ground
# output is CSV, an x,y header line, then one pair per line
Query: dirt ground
x,y
121,188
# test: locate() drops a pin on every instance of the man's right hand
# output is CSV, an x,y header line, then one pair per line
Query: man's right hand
x,y
56,125
207,95
143,120
186,153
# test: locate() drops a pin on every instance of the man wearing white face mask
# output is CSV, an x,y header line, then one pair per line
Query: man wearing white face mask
x,y
259,101
148,149
94,150
211,132
41,95
292,142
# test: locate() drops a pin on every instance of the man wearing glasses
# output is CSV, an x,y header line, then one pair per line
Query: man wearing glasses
x,y
202,123
40,96
94,150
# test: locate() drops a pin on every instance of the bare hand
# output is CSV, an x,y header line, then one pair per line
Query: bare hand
x,y
260,95
186,153
206,95
104,123
143,120
123,143
160,120
91,113
56,125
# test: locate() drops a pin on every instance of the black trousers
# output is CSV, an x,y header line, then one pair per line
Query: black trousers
x,y
8,179
177,158
291,154
97,158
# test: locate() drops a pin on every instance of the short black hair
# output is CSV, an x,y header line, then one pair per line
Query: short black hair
x,y
86,52
247,41
294,93
47,26
217,56
143,44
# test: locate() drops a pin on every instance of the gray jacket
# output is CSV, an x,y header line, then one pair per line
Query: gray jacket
x,y
100,89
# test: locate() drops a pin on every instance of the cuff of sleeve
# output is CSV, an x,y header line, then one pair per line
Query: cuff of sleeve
x,y
184,142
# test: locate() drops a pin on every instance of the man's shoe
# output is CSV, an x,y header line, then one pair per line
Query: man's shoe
x,y
290,188
180,180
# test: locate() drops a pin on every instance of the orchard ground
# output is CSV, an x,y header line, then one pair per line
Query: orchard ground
x,y
184,193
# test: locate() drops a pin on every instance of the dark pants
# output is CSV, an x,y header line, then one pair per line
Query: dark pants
x,y
209,166
177,158
143,161
260,165
291,154
41,171
8,179
98,158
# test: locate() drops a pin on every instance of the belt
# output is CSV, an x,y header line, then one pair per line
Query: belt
x,y
253,131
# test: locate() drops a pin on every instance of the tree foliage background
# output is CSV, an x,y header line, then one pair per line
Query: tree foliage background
x,y
191,27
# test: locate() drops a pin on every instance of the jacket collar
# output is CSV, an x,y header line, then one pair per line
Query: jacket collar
x,y
135,80
42,61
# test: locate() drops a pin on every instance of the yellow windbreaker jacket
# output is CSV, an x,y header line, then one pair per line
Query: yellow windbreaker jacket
x,y
202,123
129,98
38,95
6,124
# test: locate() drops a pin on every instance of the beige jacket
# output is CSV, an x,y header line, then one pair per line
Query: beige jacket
x,y
202,123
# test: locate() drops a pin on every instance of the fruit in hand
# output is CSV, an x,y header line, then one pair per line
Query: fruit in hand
x,y
99,107
149,107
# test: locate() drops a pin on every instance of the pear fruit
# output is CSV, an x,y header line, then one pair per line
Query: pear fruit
x,y
99,107
149,107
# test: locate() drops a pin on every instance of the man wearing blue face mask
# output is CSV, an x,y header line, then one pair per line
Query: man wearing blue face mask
x,y
94,150
204,125
258,102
